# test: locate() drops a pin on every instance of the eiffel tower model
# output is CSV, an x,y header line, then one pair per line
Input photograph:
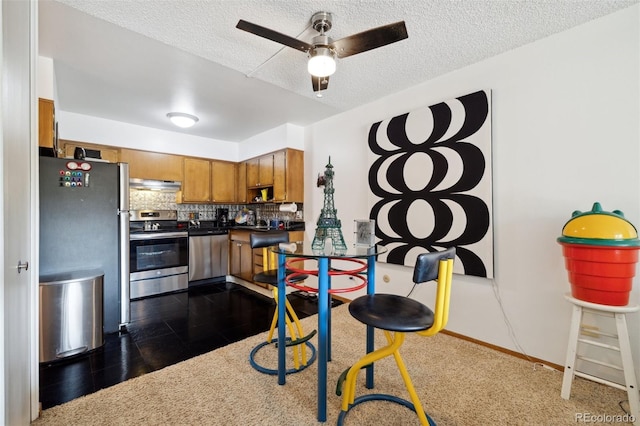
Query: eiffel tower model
x,y
329,226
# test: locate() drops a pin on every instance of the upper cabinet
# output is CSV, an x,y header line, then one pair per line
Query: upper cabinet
x,y
288,176
223,182
281,173
208,181
241,182
107,153
152,165
46,123
260,171
196,186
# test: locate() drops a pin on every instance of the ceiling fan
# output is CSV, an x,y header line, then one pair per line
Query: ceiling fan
x,y
323,50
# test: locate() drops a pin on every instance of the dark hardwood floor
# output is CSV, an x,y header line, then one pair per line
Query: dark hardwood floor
x,y
165,330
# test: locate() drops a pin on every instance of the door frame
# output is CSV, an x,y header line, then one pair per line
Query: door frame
x,y
19,381
34,284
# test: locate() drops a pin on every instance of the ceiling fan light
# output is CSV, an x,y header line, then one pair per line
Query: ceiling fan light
x,y
322,62
182,119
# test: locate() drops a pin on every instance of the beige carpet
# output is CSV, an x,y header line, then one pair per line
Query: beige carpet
x,y
460,383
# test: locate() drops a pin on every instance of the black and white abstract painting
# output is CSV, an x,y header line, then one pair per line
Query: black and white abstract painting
x,y
430,183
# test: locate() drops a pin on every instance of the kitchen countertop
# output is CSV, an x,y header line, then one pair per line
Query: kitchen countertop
x,y
293,226
212,228
208,231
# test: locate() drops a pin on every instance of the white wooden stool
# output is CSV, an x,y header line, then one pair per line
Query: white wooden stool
x,y
619,314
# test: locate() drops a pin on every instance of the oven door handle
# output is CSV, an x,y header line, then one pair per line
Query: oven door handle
x,y
157,236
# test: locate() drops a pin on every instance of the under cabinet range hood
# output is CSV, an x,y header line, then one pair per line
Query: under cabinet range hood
x,y
155,185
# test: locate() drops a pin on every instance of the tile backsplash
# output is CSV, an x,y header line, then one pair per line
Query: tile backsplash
x,y
154,200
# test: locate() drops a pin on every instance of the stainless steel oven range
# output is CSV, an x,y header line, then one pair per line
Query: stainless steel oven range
x,y
158,253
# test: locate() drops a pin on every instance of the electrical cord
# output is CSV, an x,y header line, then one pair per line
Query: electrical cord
x,y
624,410
412,288
512,334
496,292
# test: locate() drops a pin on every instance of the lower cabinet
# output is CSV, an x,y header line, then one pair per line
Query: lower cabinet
x,y
244,262
296,236
240,255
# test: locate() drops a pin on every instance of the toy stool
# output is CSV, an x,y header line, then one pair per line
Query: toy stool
x,y
619,314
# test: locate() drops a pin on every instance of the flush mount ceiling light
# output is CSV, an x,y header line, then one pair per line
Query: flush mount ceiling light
x,y
322,62
183,120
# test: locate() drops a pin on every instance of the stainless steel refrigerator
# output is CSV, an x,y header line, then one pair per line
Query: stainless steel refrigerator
x,y
84,225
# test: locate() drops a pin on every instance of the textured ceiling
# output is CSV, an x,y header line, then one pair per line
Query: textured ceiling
x,y
136,60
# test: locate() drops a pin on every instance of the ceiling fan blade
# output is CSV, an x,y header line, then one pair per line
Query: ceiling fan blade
x,y
274,36
319,83
370,39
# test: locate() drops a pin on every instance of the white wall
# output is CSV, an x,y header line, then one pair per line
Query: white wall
x,y
285,136
85,128
45,85
565,134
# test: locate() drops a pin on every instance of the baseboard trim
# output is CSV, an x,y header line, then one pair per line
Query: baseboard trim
x,y
340,298
505,350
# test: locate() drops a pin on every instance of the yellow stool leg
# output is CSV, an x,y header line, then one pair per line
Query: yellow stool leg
x,y
296,320
395,341
412,392
272,329
299,351
350,382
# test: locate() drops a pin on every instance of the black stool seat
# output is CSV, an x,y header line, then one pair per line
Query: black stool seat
x,y
391,312
271,277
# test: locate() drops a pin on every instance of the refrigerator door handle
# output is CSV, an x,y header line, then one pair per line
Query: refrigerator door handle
x,y
124,214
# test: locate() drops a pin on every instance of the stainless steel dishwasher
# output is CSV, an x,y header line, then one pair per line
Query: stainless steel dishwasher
x,y
208,254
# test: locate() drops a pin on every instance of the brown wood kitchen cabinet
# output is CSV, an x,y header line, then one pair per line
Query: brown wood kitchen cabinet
x,y
296,236
258,260
240,255
208,181
284,170
212,181
152,165
260,171
288,176
46,123
245,262
241,182
196,185
107,153
223,182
